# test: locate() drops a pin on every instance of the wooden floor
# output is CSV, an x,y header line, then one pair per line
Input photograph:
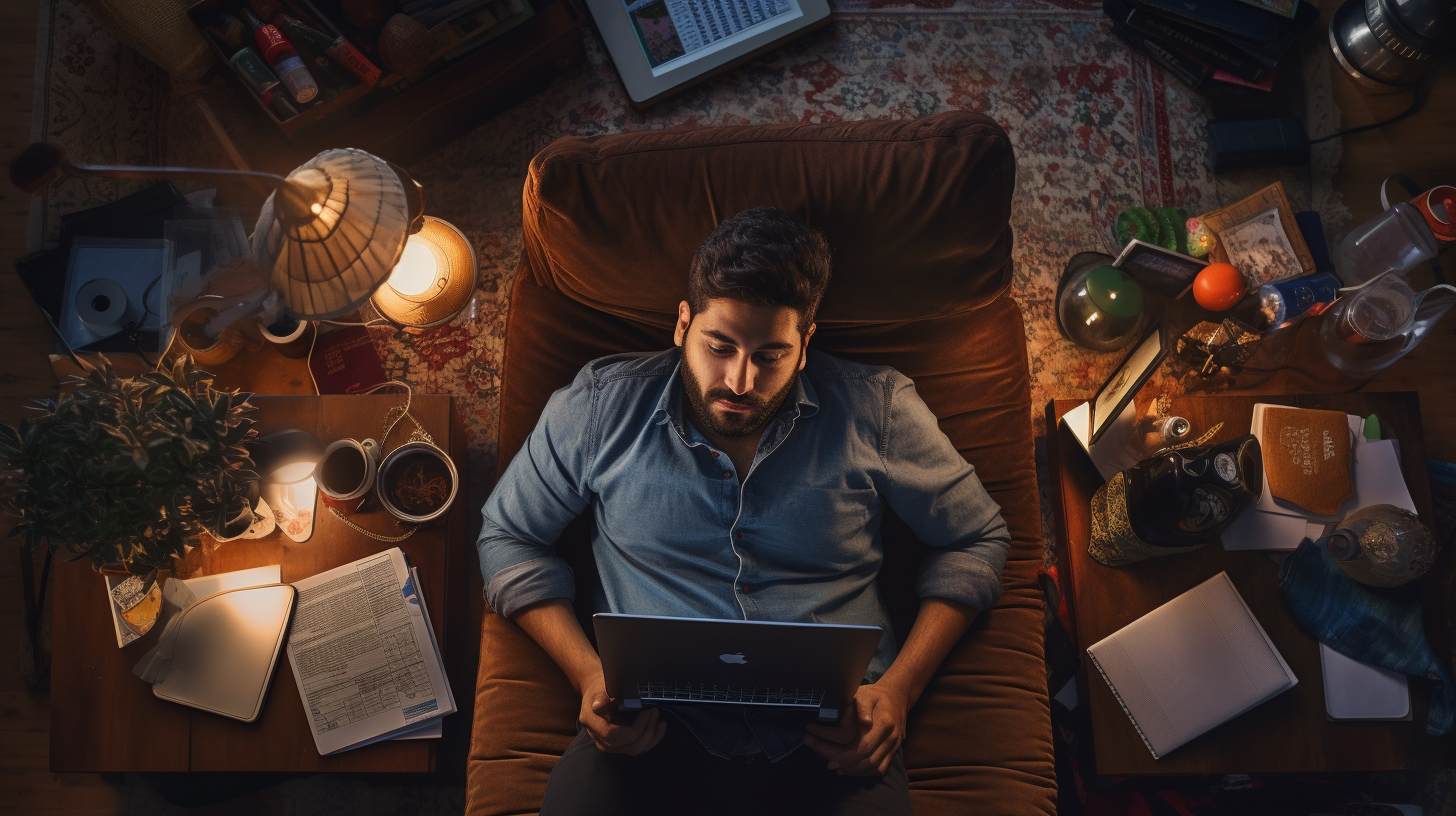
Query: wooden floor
x,y
1422,147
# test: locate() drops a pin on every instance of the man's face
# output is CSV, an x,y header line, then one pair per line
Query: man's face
x,y
739,362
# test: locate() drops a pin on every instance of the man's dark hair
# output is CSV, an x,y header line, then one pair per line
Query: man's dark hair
x,y
762,256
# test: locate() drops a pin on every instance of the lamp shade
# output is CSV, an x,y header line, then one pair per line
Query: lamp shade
x,y
434,279
328,248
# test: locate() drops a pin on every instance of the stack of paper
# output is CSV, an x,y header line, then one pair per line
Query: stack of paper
x,y
365,656
1275,525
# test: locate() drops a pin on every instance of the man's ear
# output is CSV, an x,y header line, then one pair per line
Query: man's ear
x,y
804,350
684,317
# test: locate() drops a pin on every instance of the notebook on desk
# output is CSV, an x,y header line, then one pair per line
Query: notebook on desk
x,y
1190,665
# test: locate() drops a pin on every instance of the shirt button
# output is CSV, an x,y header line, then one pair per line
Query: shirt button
x,y
747,588
715,454
727,474
740,534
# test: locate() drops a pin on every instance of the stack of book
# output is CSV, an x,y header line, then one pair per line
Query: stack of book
x,y
1210,42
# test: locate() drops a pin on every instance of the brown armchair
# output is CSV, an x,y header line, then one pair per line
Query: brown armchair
x,y
917,216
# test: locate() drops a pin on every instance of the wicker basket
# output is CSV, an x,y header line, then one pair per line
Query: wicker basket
x,y
159,30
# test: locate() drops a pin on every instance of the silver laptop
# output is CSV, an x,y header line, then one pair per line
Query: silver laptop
x,y
812,667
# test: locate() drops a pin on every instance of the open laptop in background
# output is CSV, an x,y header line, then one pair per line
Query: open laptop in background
x,y
813,667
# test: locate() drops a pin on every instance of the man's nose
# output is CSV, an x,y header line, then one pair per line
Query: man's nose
x,y
739,378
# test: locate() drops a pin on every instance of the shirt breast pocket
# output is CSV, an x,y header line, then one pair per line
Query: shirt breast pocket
x,y
824,530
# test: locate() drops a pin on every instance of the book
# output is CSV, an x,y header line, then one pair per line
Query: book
x,y
345,361
1191,665
1308,457
1284,8
1187,39
1185,69
365,656
1269,33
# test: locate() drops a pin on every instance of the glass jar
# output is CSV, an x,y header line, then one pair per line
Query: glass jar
x,y
1382,545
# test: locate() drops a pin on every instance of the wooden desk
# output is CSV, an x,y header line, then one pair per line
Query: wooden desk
x,y
105,719
1290,732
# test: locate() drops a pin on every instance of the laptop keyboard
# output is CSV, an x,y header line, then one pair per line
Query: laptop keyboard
x,y
712,693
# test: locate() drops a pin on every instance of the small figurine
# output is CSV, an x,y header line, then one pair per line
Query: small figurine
x,y
1200,238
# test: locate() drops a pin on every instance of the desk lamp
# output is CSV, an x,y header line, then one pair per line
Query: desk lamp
x,y
329,235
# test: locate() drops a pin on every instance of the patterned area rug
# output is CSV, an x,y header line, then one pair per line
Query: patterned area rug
x,y
1096,128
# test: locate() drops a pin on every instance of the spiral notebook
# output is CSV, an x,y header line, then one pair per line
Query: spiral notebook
x,y
1190,665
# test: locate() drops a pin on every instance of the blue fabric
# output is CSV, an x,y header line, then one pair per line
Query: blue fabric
x,y
675,534
1364,624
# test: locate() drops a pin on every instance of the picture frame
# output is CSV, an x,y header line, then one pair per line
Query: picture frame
x,y
1161,270
1260,249
1126,380
659,62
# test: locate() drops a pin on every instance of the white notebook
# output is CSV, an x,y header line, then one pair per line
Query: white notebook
x,y
1193,663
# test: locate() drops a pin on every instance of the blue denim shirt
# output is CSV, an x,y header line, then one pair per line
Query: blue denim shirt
x,y
799,540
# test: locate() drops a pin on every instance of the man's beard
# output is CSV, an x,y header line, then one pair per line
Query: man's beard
x,y
732,425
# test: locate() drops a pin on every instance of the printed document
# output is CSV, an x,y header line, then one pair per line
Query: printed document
x,y
364,656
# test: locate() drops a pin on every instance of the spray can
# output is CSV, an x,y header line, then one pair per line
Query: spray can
x,y
338,49
260,80
279,53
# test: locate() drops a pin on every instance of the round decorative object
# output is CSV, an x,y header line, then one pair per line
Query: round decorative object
x,y
328,253
1219,287
1098,307
406,47
434,279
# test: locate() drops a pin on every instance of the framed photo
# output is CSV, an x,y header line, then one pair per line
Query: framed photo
x,y
1163,271
1125,382
1260,248
661,46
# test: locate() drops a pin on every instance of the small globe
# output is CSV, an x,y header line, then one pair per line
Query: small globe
x,y
1098,306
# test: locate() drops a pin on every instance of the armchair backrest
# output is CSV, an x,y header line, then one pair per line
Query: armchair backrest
x,y
916,212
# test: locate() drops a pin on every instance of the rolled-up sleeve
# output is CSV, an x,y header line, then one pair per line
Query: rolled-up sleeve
x,y
542,490
937,493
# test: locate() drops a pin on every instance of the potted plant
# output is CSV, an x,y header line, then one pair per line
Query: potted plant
x,y
127,471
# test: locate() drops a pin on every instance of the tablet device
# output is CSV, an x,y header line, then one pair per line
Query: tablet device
x,y
660,46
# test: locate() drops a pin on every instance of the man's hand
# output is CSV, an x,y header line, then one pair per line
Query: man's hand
x,y
869,735
595,716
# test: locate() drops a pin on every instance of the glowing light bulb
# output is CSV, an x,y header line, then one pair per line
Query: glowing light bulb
x,y
317,209
416,271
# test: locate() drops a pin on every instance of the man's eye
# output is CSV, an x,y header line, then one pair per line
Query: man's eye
x,y
722,350
769,358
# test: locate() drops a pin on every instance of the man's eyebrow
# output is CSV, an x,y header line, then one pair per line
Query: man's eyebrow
x,y
723,338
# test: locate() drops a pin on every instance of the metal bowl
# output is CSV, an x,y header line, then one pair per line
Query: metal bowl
x,y
390,472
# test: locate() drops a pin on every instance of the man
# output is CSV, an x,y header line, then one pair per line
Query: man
x,y
740,475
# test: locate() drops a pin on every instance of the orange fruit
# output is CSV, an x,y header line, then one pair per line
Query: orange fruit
x,y
1219,287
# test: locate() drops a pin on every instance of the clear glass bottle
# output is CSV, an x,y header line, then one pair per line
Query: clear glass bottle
x,y
1382,545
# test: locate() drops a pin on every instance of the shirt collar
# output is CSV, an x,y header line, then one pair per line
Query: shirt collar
x,y
669,403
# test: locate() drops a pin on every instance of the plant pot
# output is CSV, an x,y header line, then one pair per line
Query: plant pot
x,y
417,482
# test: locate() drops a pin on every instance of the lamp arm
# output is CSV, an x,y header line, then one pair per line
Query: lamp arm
x,y
36,164
193,173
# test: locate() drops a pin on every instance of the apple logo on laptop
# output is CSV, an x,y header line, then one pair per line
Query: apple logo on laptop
x,y
733,658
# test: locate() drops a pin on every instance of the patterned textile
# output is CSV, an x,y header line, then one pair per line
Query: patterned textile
x,y
1095,126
